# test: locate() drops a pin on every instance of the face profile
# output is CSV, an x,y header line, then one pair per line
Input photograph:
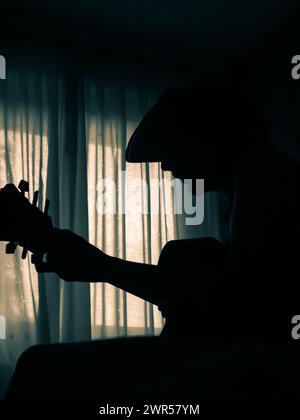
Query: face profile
x,y
197,133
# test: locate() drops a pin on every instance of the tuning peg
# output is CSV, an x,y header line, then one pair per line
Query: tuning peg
x,y
24,253
47,205
23,186
35,198
11,248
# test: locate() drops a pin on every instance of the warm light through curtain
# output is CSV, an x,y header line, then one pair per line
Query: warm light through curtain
x,y
23,155
138,235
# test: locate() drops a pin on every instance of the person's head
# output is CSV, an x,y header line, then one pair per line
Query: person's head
x,y
196,133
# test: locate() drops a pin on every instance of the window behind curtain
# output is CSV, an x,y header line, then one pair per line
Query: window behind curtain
x,y
112,113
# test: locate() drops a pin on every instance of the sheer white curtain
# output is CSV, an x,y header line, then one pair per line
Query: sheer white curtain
x,y
138,232
64,135
24,130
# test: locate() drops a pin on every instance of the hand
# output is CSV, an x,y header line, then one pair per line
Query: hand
x,y
21,222
73,259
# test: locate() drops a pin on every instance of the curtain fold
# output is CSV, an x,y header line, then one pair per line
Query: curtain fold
x,y
136,222
24,129
67,192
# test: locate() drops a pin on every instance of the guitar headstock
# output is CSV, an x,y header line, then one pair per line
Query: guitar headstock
x,y
21,222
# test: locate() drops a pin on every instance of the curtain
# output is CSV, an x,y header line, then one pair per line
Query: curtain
x,y
65,134
24,130
136,233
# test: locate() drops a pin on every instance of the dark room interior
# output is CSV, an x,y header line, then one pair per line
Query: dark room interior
x,y
149,202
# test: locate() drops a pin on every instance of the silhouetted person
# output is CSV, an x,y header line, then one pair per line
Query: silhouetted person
x,y
234,290
215,134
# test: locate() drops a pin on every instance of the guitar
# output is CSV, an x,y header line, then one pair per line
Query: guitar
x,y
22,223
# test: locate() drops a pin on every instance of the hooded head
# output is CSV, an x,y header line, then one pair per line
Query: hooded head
x,y
197,132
